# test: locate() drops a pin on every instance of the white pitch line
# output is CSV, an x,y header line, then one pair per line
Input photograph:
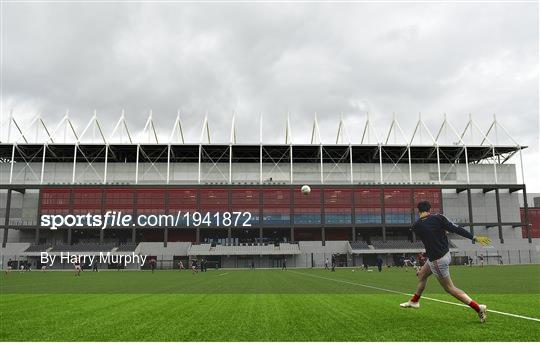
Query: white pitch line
x,y
409,294
223,274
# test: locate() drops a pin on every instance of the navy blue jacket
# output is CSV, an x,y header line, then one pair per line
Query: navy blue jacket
x,y
432,231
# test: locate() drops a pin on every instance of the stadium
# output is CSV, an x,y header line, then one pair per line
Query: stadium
x,y
361,205
257,240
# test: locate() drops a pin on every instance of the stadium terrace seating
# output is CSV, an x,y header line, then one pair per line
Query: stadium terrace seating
x,y
200,249
87,247
157,249
37,248
397,244
359,246
330,247
255,249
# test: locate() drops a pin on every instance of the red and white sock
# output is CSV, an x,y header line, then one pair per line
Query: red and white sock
x,y
415,298
474,305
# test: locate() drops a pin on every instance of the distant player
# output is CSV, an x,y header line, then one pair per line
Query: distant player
x,y
414,263
326,264
284,265
9,267
469,261
194,269
180,265
95,267
379,263
407,262
153,264
77,267
432,228
481,258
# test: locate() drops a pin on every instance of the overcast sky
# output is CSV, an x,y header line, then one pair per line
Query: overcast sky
x,y
247,59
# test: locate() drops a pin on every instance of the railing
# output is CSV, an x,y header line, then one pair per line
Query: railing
x,y
305,260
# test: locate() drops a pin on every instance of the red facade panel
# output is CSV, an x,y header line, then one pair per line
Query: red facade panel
x,y
338,205
151,201
368,206
307,207
183,199
87,200
55,200
432,195
245,200
338,198
276,202
398,205
307,203
534,221
119,200
277,199
277,205
397,198
214,200
367,198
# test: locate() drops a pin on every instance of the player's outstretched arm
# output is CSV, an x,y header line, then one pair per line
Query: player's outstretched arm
x,y
451,227
458,230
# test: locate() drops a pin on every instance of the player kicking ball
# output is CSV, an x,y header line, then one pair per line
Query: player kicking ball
x,y
432,228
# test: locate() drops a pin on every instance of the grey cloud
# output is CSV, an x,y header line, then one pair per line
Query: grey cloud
x,y
479,58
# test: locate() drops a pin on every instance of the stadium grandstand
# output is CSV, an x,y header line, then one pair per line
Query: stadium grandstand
x,y
362,201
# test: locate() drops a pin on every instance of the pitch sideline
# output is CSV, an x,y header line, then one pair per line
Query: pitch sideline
x,y
410,294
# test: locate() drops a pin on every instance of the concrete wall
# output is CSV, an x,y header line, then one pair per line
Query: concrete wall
x,y
249,172
455,207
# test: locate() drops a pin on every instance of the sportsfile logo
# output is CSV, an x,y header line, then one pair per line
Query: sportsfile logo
x,y
113,219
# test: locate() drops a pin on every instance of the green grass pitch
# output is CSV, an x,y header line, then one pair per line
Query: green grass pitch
x,y
265,305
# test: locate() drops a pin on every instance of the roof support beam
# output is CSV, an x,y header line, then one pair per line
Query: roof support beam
x,y
43,164
315,132
106,163
11,165
177,127
74,162
122,126
351,166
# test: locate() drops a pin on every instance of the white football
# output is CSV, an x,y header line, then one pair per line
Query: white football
x,y
305,189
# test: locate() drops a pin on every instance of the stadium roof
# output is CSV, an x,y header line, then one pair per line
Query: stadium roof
x,y
245,153
471,146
